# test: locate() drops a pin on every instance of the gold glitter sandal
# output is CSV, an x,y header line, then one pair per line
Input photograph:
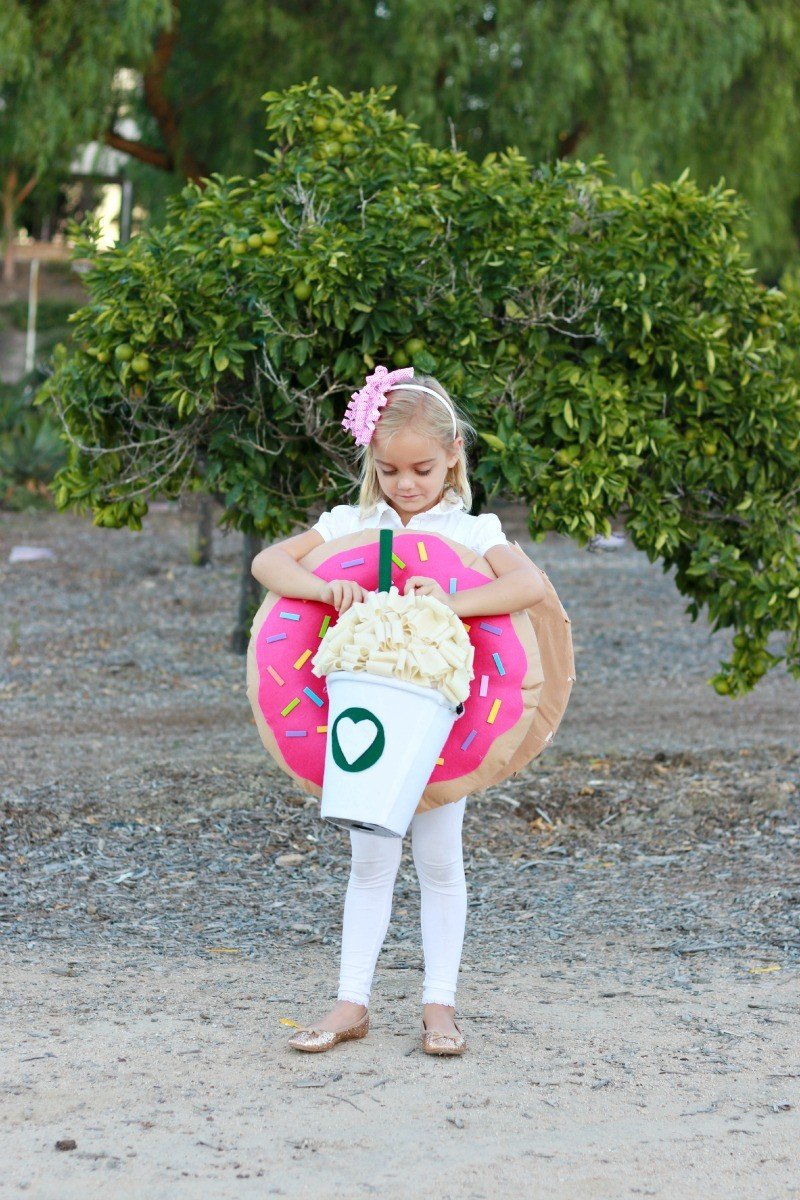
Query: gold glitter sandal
x,y
316,1040
442,1043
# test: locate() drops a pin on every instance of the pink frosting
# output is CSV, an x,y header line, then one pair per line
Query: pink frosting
x,y
305,754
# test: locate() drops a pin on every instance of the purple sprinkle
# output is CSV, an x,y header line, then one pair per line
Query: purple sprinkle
x,y
468,740
295,733
290,616
276,637
352,562
491,628
313,696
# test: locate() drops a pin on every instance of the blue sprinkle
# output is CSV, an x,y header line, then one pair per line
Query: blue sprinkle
x,y
468,740
313,696
290,616
491,628
276,637
453,585
295,733
498,662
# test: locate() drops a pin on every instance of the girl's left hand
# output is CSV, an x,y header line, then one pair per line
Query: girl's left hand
x,y
421,585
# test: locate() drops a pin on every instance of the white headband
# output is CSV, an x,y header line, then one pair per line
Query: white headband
x,y
417,387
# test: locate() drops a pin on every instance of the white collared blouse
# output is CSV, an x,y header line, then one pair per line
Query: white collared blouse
x,y
448,517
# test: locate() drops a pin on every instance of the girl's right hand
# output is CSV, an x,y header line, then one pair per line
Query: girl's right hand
x,y
341,593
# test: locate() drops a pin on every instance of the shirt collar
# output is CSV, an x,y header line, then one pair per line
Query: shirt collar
x,y
450,502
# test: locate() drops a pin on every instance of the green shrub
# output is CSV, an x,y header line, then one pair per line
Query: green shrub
x,y
611,347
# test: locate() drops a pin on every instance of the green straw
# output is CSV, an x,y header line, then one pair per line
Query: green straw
x,y
385,561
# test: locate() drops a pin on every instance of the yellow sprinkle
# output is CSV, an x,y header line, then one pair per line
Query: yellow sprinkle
x,y
292,704
288,1021
494,711
398,562
306,654
322,729
423,553
440,762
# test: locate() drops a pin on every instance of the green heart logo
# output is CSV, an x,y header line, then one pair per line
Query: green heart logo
x,y
358,739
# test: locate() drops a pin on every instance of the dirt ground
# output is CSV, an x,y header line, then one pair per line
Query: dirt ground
x,y
169,904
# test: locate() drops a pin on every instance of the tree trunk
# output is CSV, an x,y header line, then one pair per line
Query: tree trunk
x,y
205,531
250,594
9,225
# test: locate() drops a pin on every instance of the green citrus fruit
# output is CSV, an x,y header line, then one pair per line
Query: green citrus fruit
x,y
400,358
337,125
254,241
103,356
265,250
740,641
302,289
239,247
124,352
319,124
349,149
415,345
269,235
722,687
709,449
140,364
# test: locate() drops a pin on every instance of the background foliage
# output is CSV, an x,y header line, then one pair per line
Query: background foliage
x,y
611,347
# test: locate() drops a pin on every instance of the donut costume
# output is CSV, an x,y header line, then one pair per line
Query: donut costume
x,y
523,667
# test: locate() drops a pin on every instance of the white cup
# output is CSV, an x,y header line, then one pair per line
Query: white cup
x,y
384,737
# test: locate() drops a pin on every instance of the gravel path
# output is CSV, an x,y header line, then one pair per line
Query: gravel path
x,y
630,972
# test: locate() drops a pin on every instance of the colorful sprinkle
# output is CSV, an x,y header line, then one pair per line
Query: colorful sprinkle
x,y
493,713
491,628
440,762
352,562
322,729
295,733
422,552
292,704
469,739
313,696
290,616
498,662
398,562
305,655
453,585
323,629
484,685
275,675
276,637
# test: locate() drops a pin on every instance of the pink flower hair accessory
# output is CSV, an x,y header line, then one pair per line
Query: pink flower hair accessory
x,y
364,410
365,405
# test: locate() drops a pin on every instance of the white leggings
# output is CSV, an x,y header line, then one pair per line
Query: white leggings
x,y
438,858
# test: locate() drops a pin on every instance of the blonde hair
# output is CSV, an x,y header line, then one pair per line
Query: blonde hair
x,y
407,408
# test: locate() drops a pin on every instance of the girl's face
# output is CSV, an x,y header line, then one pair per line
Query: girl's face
x,y
412,469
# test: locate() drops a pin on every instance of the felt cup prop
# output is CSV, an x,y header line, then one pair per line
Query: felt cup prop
x,y
398,669
523,667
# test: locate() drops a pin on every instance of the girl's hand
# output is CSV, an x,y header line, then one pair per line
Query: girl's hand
x,y
341,593
420,585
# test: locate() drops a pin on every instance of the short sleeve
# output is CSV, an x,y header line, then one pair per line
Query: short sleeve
x,y
337,522
488,532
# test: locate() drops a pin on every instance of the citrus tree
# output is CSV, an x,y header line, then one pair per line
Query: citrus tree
x,y
611,347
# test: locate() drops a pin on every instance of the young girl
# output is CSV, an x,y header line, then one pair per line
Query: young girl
x,y
413,476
